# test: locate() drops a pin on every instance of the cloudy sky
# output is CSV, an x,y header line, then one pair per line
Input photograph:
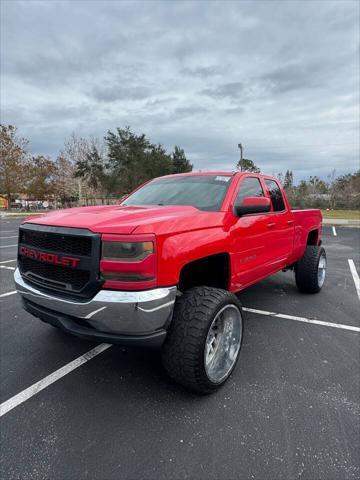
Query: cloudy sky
x,y
280,77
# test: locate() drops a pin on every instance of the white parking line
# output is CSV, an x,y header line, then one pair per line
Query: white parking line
x,y
8,261
302,319
21,397
29,392
7,268
7,246
334,231
7,231
355,276
11,236
8,293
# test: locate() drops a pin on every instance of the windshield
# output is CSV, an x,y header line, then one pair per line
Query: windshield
x,y
205,192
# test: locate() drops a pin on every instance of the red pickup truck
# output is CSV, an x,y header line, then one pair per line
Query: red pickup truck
x,y
162,268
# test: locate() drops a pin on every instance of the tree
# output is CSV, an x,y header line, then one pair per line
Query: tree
x,y
91,168
288,180
158,163
280,177
126,158
246,165
303,188
345,191
180,163
317,186
133,159
41,177
288,184
75,150
12,161
66,185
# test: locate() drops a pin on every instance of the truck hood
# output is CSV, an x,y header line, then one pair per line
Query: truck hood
x,y
118,219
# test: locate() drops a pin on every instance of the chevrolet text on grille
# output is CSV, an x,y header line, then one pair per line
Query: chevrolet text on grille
x,y
49,257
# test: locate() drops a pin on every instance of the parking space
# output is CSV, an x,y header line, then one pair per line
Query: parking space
x,y
8,228
290,410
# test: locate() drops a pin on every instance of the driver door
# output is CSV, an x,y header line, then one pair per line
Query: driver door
x,y
250,235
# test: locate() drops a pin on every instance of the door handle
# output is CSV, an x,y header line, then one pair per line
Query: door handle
x,y
271,225
290,222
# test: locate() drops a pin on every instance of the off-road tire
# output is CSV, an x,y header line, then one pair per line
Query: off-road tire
x,y
183,350
306,270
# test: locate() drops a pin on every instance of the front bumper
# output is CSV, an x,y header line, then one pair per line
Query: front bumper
x,y
127,318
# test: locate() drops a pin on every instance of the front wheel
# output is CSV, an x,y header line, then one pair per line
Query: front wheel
x,y
310,270
204,340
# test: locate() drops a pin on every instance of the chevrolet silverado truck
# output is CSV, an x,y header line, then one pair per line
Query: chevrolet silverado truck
x,y
162,268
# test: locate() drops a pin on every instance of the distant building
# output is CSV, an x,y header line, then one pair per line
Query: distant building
x,y
3,203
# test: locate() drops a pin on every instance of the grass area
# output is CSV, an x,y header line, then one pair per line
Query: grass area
x,y
347,214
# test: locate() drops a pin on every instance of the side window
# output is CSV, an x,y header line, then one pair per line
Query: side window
x,y
275,195
249,187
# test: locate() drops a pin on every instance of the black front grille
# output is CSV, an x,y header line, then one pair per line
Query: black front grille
x,y
42,251
54,275
55,242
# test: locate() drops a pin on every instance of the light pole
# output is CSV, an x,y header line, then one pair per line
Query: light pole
x,y
241,156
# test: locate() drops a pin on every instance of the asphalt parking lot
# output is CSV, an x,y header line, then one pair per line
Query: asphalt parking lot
x,y
290,409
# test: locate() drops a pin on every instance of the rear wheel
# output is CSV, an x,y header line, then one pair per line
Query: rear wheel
x,y
204,339
310,270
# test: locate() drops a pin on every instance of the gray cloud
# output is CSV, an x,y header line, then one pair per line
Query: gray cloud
x,y
189,111
281,77
291,78
302,76
204,72
112,93
234,90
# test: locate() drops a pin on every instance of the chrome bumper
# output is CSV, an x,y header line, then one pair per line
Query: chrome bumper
x,y
110,311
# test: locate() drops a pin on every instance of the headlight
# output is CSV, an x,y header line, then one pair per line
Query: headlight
x,y
126,251
128,262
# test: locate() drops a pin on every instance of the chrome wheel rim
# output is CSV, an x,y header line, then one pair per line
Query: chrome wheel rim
x,y
322,270
223,343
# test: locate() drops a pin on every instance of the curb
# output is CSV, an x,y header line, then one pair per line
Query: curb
x,y
20,215
341,221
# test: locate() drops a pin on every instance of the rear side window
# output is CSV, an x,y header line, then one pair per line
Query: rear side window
x,y
249,187
275,195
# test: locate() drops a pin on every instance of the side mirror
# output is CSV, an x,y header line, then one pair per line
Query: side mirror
x,y
252,205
